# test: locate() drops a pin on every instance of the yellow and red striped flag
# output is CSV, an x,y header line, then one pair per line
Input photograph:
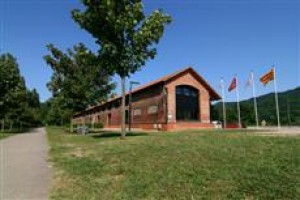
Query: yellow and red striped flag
x,y
265,79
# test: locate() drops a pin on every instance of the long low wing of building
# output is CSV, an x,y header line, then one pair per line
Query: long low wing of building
x,y
177,101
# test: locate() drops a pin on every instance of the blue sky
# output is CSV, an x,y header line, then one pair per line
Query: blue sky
x,y
218,38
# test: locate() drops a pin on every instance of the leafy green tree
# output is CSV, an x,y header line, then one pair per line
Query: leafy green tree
x,y
53,113
231,114
248,115
18,105
125,35
32,113
33,98
13,89
78,80
9,79
214,114
16,102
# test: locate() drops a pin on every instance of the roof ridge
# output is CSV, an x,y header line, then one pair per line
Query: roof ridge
x,y
162,79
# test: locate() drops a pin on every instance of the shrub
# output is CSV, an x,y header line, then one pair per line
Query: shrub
x,y
99,125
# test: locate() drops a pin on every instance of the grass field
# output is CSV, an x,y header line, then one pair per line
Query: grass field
x,y
12,132
4,135
180,165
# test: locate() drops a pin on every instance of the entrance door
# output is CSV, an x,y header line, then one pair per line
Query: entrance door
x,y
187,103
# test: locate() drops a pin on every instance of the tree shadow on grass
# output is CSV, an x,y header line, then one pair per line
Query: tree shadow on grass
x,y
108,134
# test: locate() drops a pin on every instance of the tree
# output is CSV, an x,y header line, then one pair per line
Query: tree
x,y
13,89
18,105
126,37
53,113
16,102
248,116
78,79
33,98
9,79
214,114
31,115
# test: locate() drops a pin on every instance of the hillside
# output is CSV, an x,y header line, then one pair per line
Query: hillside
x,y
289,106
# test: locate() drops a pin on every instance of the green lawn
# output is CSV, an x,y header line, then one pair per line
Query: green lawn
x,y
4,135
183,165
12,132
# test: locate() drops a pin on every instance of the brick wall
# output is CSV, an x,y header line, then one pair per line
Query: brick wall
x,y
165,116
152,97
111,116
188,79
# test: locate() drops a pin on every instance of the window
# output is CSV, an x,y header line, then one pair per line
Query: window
x,y
152,109
126,117
187,103
137,112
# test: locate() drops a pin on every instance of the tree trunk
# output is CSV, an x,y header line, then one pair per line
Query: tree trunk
x,y
71,125
11,126
93,122
123,133
2,128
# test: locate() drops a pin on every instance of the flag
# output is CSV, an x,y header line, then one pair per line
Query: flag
x,y
250,80
232,85
265,79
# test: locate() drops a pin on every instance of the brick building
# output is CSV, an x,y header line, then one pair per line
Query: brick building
x,y
177,101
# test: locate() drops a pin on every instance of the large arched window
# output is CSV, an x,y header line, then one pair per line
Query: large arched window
x,y
187,103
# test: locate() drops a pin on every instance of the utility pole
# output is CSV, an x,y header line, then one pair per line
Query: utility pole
x,y
254,98
288,110
238,101
276,99
223,102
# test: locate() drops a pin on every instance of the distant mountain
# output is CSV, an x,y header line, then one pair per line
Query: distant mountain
x,y
289,106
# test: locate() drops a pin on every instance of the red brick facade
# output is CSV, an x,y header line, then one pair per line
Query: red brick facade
x,y
154,105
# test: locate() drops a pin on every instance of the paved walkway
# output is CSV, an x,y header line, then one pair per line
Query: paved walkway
x,y
274,131
25,173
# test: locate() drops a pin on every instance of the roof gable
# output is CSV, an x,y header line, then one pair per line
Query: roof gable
x,y
213,94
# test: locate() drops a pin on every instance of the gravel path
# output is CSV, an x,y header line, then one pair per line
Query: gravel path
x,y
25,173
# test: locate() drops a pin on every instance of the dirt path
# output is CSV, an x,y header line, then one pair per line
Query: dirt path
x,y
25,173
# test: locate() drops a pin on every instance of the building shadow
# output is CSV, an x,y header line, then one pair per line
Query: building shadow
x,y
107,134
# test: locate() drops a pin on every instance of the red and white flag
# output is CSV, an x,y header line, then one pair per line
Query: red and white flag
x,y
232,84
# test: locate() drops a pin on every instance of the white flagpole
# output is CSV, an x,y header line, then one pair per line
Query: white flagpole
x,y
254,98
238,101
276,99
223,101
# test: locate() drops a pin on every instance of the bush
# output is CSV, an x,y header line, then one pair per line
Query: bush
x,y
99,125
96,125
